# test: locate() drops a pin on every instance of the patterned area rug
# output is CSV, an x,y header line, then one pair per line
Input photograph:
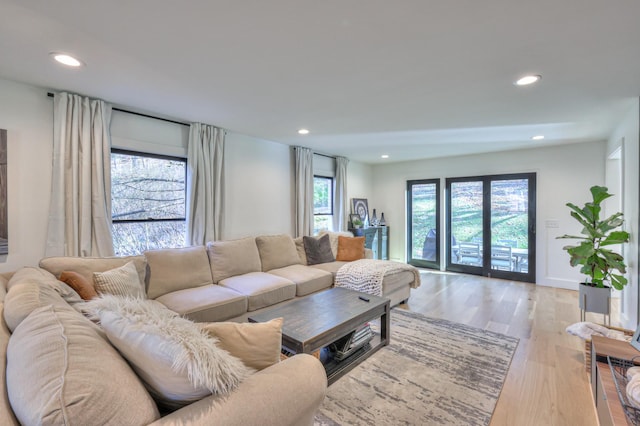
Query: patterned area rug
x,y
433,372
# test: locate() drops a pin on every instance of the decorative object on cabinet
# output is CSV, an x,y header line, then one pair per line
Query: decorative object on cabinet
x,y
361,206
356,220
374,218
382,221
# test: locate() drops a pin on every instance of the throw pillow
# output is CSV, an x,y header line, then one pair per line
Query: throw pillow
x,y
178,362
122,281
80,284
350,248
318,250
258,345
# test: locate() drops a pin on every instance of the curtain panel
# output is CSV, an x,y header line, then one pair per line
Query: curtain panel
x,y
80,210
205,162
340,200
303,191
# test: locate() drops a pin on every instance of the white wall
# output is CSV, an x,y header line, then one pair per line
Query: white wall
x,y
258,187
626,135
359,182
27,114
564,173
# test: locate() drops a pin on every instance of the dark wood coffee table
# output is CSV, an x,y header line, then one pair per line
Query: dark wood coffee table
x,y
318,320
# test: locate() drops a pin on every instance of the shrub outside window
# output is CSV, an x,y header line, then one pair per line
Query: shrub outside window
x,y
322,203
148,201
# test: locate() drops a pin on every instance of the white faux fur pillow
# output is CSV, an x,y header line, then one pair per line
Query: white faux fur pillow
x,y
178,362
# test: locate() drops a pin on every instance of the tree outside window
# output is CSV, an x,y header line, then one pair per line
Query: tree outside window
x,y
322,203
148,194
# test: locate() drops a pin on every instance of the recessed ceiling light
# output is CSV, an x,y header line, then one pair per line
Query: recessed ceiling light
x,y
537,137
384,156
303,131
65,59
528,79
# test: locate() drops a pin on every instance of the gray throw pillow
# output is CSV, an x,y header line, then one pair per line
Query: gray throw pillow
x,y
318,250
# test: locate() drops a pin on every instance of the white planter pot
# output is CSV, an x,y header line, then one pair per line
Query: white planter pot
x,y
594,299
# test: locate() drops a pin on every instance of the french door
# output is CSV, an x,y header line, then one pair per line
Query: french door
x,y
423,223
491,226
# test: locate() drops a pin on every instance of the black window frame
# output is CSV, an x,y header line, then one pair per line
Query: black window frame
x,y
160,157
332,183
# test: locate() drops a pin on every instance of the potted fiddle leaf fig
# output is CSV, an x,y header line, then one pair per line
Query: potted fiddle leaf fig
x,y
602,266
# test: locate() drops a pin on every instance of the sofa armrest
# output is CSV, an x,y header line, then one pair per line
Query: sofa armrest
x,y
287,393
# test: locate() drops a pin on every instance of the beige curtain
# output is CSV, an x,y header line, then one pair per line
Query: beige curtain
x,y
304,191
340,200
205,160
80,211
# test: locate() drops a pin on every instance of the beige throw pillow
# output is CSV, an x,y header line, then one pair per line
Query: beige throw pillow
x,y
122,281
175,358
258,345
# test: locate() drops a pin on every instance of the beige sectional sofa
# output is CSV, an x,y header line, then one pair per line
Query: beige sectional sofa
x,y
226,280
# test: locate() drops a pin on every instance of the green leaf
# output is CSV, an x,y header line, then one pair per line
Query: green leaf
x,y
600,193
617,237
618,281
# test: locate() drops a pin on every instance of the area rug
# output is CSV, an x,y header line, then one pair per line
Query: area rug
x,y
434,372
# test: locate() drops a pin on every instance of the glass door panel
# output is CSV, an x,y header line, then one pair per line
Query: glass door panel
x,y
423,211
491,220
509,225
466,224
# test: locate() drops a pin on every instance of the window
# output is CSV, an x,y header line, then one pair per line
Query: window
x,y
148,194
322,203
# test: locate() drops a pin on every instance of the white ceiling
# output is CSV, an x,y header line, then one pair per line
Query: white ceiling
x,y
408,78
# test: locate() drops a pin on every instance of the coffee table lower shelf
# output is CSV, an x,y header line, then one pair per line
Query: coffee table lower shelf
x,y
336,369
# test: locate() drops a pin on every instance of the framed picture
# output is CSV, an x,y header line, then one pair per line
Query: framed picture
x,y
355,217
361,207
635,340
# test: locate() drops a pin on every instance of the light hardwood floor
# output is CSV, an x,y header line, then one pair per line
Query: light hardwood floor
x,y
547,383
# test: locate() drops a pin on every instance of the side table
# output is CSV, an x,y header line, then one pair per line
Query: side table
x,y
606,399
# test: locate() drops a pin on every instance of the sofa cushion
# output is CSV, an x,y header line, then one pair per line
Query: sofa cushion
x,y
175,358
32,288
177,269
350,248
308,280
258,345
6,414
333,239
299,242
277,251
206,304
330,267
318,250
79,283
261,289
86,266
122,281
70,373
234,257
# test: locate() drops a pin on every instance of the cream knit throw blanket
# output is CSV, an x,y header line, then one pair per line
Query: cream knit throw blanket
x,y
366,275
